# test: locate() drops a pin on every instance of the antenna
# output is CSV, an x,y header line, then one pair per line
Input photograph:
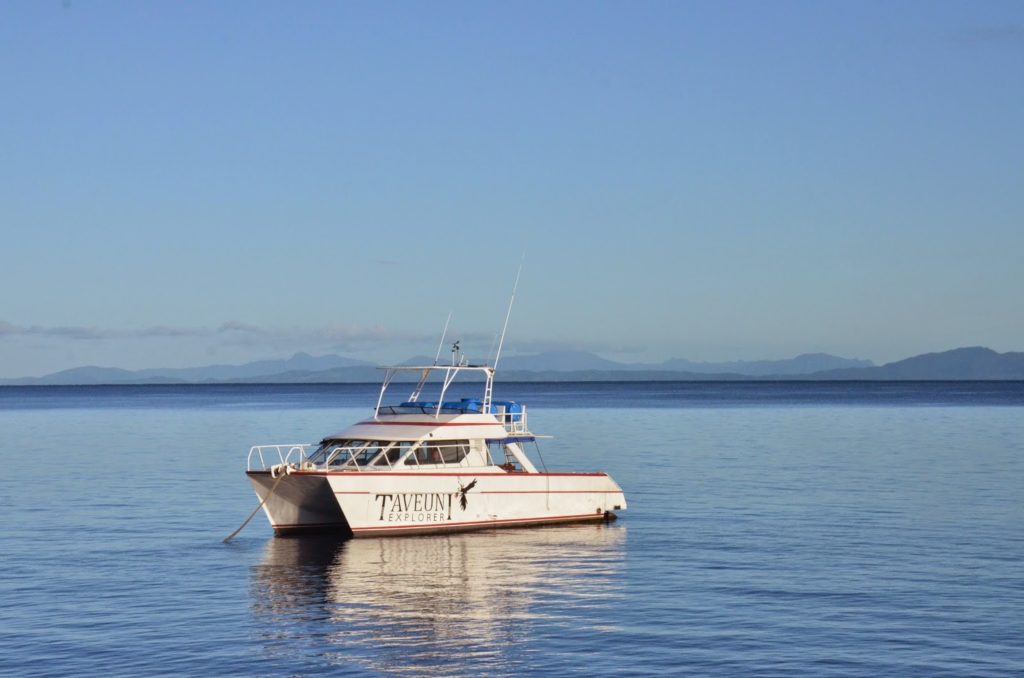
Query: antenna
x,y
508,313
490,351
440,344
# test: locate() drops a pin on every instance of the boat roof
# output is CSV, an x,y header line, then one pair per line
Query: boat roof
x,y
418,426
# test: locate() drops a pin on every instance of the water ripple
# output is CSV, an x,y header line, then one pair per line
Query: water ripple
x,y
872,538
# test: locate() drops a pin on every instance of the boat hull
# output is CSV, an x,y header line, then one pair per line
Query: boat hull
x,y
378,504
394,504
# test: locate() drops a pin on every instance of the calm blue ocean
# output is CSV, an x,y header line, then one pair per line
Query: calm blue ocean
x,y
772,529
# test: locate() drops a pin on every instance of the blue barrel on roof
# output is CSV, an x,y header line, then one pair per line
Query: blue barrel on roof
x,y
417,404
464,405
513,410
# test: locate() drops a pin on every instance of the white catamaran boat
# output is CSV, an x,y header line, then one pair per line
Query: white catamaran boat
x,y
425,467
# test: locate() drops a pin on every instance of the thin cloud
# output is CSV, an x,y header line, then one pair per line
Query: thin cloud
x,y
164,331
341,335
231,332
543,345
337,337
237,326
329,333
63,331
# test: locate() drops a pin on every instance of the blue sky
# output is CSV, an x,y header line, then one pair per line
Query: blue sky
x,y
220,182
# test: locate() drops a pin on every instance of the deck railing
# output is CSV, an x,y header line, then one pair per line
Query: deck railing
x,y
357,458
514,422
294,453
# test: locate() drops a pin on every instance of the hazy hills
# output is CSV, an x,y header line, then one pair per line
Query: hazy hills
x,y
959,364
975,363
300,362
575,361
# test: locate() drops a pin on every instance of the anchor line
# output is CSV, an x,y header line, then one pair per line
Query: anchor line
x,y
284,472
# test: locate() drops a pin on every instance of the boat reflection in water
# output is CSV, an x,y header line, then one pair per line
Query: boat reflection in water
x,y
452,604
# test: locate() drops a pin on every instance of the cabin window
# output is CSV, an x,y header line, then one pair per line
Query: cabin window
x,y
393,452
454,452
347,452
436,452
329,449
343,453
367,453
318,456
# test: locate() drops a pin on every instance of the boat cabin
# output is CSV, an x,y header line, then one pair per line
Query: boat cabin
x,y
414,434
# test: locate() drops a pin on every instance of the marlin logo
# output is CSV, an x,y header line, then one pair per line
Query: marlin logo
x,y
462,494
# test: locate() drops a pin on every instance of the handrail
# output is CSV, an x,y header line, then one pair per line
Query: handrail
x,y
296,448
294,455
513,422
282,457
352,456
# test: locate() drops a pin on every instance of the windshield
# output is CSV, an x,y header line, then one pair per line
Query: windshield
x,y
341,452
338,453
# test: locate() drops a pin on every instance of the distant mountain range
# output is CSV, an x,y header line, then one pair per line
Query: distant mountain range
x,y
976,363
575,361
299,363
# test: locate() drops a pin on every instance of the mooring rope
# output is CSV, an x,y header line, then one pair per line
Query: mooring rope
x,y
285,470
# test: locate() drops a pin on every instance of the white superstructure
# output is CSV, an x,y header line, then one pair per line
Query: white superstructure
x,y
425,467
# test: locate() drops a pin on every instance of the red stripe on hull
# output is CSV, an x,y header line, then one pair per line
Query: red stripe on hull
x,y
486,525
516,492
550,492
308,526
357,474
440,528
482,523
432,424
378,474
